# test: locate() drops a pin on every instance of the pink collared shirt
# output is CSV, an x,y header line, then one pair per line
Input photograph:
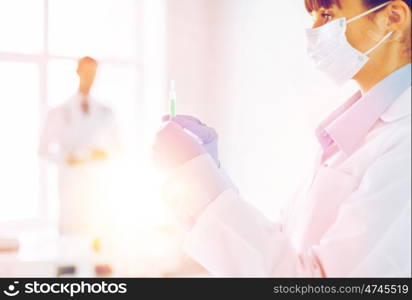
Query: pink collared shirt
x,y
345,128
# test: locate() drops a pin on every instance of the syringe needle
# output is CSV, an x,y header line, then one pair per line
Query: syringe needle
x,y
172,99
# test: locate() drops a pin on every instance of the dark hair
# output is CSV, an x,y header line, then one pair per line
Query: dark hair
x,y
312,5
373,3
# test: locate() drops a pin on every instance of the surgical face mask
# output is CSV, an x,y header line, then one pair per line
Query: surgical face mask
x,y
332,53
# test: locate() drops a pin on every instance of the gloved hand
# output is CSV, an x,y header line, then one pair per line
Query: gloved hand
x,y
181,139
173,147
205,134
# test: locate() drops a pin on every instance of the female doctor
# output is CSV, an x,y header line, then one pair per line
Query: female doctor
x,y
353,217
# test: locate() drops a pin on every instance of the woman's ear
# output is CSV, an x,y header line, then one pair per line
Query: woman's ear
x,y
398,16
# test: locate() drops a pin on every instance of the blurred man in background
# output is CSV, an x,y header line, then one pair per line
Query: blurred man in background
x,y
80,137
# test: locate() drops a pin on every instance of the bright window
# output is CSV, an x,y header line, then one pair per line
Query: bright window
x,y
18,160
100,28
41,41
21,24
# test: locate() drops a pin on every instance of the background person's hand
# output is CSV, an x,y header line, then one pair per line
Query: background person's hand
x,y
98,154
72,160
206,135
173,147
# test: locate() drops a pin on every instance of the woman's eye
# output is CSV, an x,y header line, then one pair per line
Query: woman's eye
x,y
326,16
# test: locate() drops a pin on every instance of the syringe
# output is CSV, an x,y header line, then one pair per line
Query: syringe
x,y
172,99
172,109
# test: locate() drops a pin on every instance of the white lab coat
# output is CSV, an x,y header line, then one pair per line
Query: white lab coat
x,y
351,218
83,189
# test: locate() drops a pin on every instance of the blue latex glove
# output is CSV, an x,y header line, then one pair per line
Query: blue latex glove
x,y
205,134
